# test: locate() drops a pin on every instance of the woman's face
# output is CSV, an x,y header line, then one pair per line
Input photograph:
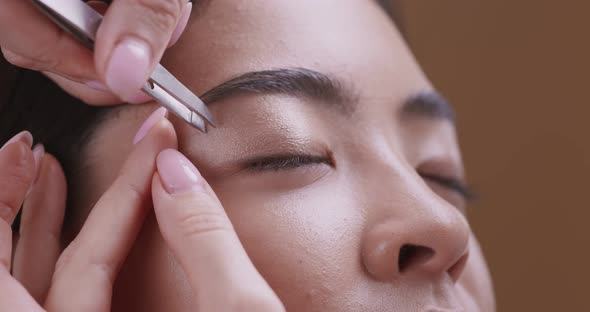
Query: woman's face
x,y
338,167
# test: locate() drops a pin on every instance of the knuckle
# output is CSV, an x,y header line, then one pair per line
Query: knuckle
x,y
17,59
71,263
161,14
199,223
135,193
41,58
134,190
6,211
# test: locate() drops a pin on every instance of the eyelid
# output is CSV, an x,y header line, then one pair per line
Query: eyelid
x,y
286,161
453,184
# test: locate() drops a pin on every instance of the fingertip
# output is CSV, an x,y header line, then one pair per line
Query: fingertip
x,y
162,131
38,153
18,158
48,187
179,175
51,167
17,169
150,122
128,67
24,136
181,26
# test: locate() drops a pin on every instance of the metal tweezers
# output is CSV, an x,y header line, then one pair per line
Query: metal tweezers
x,y
80,20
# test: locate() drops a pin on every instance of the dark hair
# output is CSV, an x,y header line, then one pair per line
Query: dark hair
x,y
62,123
32,102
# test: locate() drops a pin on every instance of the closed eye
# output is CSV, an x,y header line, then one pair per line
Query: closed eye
x,y
286,162
452,184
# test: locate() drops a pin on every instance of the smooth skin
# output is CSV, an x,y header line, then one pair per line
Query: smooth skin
x,y
325,235
130,42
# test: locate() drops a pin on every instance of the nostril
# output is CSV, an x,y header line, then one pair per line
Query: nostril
x,y
457,269
412,255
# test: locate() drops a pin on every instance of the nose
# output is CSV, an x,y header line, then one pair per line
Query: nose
x,y
422,236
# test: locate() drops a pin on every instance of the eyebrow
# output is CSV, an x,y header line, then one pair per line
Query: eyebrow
x,y
298,82
429,104
306,83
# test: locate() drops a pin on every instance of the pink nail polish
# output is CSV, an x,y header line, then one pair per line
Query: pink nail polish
x,y
149,123
178,174
38,152
181,24
127,70
24,136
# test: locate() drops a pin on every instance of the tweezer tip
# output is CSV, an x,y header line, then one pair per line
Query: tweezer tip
x,y
198,123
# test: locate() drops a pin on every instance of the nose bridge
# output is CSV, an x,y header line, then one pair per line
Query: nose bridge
x,y
410,228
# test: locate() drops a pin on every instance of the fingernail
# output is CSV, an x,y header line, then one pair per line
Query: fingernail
x,y
140,97
181,24
97,85
178,174
24,136
38,152
149,123
127,70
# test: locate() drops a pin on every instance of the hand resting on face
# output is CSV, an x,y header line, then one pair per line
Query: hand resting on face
x,y
43,277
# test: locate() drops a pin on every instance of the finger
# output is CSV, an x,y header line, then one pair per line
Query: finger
x,y
85,272
38,245
14,296
17,169
36,43
180,27
16,172
199,233
93,93
131,41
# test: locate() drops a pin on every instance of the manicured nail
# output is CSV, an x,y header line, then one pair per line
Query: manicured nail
x,y
97,85
24,136
156,116
181,24
178,174
38,152
127,70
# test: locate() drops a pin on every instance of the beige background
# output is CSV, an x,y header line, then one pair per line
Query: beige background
x,y
518,72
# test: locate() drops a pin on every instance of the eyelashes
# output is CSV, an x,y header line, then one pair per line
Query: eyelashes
x,y
452,184
286,162
293,161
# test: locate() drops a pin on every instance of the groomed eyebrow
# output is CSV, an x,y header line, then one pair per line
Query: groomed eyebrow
x,y
429,104
297,82
306,83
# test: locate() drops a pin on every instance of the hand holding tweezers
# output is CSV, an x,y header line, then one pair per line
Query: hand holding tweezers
x,y
80,20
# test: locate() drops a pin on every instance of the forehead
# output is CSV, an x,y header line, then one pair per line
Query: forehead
x,y
353,39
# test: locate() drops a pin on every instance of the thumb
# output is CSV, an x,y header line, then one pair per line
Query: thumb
x,y
132,38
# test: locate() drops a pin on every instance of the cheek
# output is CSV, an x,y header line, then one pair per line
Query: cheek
x,y
476,280
305,243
